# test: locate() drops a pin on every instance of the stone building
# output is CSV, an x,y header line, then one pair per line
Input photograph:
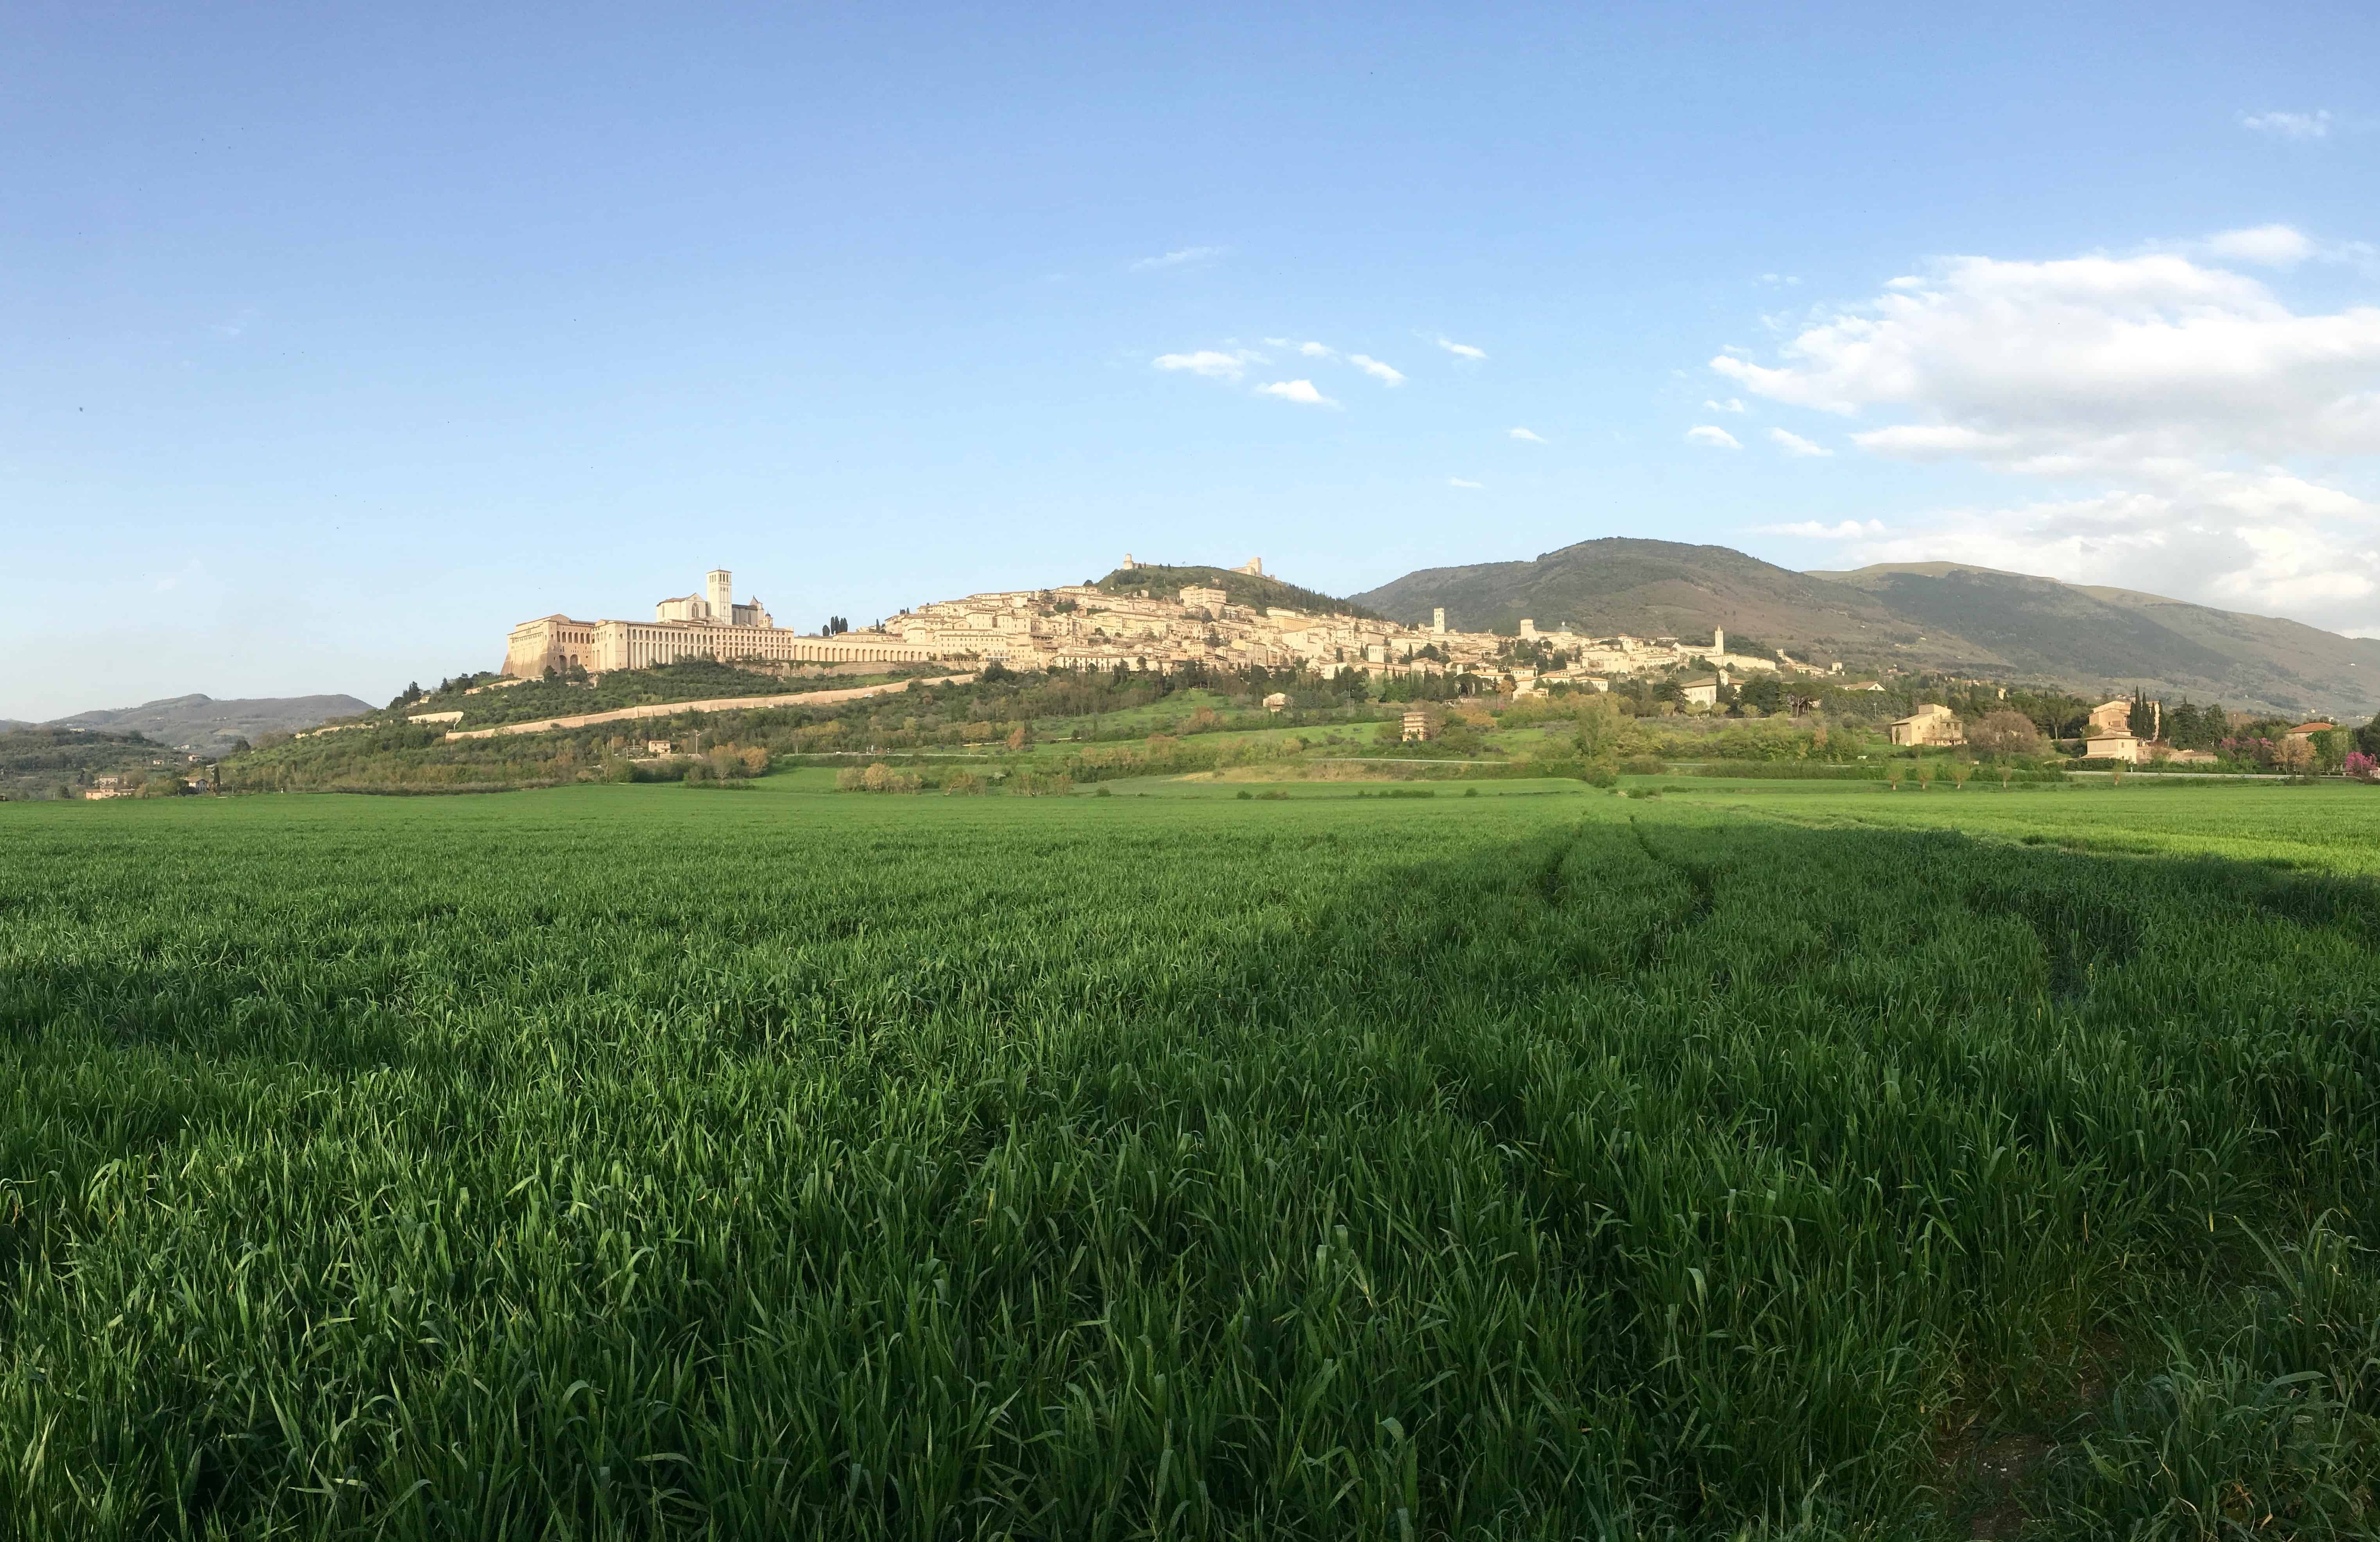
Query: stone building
x,y
1932,724
707,626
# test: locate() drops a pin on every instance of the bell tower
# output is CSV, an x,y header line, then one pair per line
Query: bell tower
x,y
720,589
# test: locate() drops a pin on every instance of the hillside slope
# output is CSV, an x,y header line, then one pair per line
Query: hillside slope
x,y
2116,638
1658,588
1239,589
1941,616
207,725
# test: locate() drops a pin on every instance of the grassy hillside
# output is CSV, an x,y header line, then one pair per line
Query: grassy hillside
x,y
622,1162
2114,638
1943,617
1654,589
1240,588
53,762
211,726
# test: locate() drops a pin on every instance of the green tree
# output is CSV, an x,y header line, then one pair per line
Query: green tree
x,y
1601,725
2004,735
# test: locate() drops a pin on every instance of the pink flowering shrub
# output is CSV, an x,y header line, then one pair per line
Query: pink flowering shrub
x,y
2360,766
2253,750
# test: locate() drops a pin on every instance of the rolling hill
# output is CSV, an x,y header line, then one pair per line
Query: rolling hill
x,y
208,725
1938,617
1239,589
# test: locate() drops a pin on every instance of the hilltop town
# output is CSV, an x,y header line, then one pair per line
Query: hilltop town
x,y
1122,622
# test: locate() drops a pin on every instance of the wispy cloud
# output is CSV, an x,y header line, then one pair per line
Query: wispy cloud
x,y
1527,436
1461,350
1387,374
1296,391
2315,125
1712,435
1181,257
1779,280
1458,481
1811,529
1794,444
2270,246
1731,404
1211,362
232,326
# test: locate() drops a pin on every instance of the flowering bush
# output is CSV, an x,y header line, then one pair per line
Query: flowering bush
x,y
2254,751
2362,767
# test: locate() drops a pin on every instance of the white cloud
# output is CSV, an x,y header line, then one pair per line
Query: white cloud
x,y
2271,246
1210,362
1525,436
1182,258
1775,280
1370,366
1296,391
1731,404
2289,126
1716,438
1811,529
2166,396
1458,481
1461,350
1794,444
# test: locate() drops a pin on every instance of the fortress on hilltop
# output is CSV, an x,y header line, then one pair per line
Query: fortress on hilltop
x,y
1100,626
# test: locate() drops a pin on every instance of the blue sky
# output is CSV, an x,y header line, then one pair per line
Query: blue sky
x,y
334,341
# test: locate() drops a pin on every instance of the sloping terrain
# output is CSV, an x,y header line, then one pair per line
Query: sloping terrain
x,y
204,723
2116,638
1664,588
1239,589
1943,616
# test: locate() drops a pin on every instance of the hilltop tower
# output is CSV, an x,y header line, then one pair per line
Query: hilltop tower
x,y
1719,641
720,589
1437,619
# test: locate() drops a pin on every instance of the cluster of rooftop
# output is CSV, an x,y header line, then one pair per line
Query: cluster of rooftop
x,y
1091,627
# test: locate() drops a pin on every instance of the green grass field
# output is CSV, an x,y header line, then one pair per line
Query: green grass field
x,y
1769,1160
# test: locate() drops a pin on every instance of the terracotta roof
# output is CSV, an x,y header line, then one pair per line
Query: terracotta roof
x,y
2316,728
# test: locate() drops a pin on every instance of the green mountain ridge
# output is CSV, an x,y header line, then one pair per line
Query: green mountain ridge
x,y
1947,617
210,725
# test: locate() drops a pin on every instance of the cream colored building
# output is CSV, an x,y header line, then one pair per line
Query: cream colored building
x,y
2114,745
1085,626
1931,724
707,626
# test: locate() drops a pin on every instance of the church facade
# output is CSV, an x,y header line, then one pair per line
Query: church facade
x,y
709,624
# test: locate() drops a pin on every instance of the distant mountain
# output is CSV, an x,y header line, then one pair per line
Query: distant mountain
x,y
206,724
1940,616
2045,628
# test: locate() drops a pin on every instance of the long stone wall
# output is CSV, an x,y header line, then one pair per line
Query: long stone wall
x,y
716,704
